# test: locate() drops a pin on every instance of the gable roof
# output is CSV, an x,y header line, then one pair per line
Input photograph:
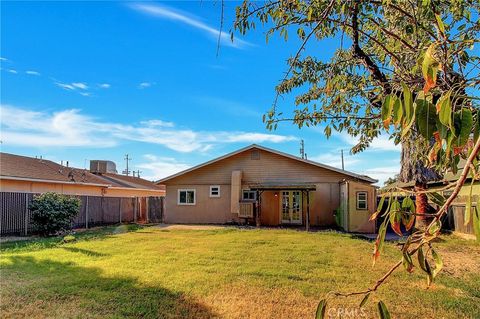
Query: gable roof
x,y
28,168
266,149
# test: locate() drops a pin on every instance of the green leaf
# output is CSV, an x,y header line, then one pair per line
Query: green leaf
x,y
441,26
444,109
463,121
382,310
407,100
438,263
425,117
407,261
435,227
364,300
476,130
436,198
422,261
380,241
396,217
397,111
387,108
379,207
322,306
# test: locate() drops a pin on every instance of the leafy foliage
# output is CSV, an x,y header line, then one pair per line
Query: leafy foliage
x,y
53,213
406,73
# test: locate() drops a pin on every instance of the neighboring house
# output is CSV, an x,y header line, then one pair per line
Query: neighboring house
x,y
455,218
271,188
35,175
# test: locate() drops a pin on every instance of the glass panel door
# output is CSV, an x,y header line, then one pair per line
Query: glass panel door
x,y
291,207
285,208
296,207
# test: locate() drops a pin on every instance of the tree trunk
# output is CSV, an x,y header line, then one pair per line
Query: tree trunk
x,y
421,203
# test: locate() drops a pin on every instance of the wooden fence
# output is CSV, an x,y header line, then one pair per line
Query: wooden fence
x,y
94,211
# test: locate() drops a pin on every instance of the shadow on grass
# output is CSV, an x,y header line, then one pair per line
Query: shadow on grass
x,y
38,243
66,288
86,252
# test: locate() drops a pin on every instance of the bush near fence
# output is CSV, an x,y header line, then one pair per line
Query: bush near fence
x,y
94,211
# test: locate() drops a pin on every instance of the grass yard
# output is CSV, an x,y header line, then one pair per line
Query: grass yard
x,y
227,273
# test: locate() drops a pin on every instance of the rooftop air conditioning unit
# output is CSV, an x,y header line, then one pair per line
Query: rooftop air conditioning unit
x,y
101,167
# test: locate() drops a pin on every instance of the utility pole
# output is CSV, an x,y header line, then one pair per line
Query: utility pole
x,y
127,159
343,165
302,149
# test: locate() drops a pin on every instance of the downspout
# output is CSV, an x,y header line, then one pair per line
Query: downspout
x,y
348,206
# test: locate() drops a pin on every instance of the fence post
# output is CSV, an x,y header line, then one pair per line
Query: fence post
x,y
120,210
86,213
26,215
147,210
135,210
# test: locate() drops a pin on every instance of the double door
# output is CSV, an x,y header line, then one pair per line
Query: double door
x,y
291,207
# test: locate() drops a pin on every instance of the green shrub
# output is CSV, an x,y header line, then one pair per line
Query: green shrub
x,y
53,213
69,239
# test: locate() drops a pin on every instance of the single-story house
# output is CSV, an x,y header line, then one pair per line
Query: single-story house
x,y
269,187
24,174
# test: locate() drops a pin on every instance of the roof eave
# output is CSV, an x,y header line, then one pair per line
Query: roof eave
x,y
360,177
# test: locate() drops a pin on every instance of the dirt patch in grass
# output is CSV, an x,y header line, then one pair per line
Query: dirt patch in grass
x,y
459,261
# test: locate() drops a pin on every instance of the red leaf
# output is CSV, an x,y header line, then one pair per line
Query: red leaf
x,y
409,225
396,228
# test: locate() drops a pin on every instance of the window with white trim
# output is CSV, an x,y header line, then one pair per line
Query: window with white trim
x,y
249,195
215,191
186,197
362,201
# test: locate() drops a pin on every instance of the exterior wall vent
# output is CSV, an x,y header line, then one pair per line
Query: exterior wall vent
x,y
255,155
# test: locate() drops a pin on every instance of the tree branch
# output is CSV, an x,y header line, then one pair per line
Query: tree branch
x,y
360,54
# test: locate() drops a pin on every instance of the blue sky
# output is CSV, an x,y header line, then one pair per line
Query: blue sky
x,y
98,80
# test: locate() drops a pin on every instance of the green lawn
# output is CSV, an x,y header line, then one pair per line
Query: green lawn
x,y
227,273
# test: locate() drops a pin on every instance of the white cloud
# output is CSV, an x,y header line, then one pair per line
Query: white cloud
x,y
144,85
69,127
80,85
382,173
30,72
158,123
335,159
168,13
380,143
12,71
156,167
65,86
104,86
66,128
3,59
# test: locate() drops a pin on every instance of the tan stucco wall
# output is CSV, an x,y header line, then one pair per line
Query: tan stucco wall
x,y
70,189
358,220
208,210
217,210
